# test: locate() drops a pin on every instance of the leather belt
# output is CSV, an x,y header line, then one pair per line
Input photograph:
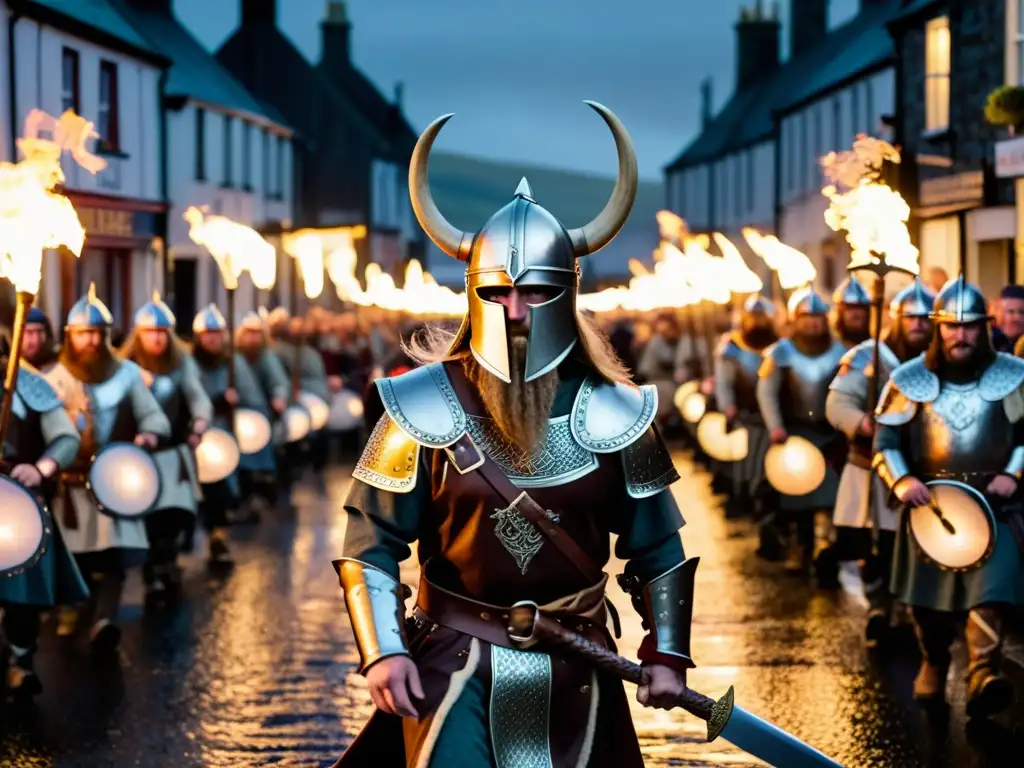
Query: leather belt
x,y
485,621
69,478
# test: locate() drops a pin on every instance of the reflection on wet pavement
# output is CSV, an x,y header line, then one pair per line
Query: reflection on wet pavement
x,y
257,667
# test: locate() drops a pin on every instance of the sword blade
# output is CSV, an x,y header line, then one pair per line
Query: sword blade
x,y
772,744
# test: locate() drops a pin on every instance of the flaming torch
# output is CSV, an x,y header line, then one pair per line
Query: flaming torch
x,y
874,217
33,218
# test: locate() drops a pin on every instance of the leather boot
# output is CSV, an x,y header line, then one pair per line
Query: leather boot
x,y
934,630
876,590
988,692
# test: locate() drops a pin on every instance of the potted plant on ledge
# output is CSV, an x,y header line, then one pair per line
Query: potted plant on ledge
x,y
1005,106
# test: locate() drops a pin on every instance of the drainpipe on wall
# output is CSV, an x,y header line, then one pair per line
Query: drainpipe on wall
x,y
162,224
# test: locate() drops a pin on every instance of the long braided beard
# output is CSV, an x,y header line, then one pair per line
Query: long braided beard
x,y
520,410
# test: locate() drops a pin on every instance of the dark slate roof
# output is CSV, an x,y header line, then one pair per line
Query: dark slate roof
x,y
913,8
195,73
749,116
469,190
97,19
387,117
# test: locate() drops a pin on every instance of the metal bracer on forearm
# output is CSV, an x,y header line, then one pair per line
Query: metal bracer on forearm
x,y
376,608
666,606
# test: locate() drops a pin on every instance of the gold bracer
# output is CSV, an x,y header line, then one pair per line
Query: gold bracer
x,y
891,466
376,608
666,606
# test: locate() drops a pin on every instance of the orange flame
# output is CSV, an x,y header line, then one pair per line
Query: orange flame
x,y
234,246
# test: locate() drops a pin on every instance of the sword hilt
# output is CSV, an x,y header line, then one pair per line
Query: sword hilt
x,y
528,627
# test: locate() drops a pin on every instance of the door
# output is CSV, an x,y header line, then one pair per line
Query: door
x,y
185,290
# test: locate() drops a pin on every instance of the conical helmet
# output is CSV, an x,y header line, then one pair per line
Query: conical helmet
x,y
89,312
851,293
960,303
913,301
807,302
209,319
155,314
758,305
523,246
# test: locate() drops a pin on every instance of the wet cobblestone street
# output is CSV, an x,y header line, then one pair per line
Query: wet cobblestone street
x,y
257,667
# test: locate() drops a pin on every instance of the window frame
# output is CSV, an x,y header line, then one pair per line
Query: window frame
x,y
71,56
933,80
228,150
246,155
200,135
110,140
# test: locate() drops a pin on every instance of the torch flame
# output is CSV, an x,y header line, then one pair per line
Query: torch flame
x,y
33,217
234,246
792,266
873,214
742,279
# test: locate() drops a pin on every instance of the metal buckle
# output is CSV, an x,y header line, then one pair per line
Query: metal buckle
x,y
459,455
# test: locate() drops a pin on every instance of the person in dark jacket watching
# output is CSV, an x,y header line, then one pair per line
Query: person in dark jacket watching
x,y
1009,318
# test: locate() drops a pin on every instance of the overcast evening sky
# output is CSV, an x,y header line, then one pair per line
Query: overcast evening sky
x,y
515,74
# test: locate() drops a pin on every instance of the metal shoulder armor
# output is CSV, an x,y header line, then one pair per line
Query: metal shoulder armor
x,y
424,405
666,606
910,385
1001,378
647,465
35,391
727,347
778,355
609,417
390,460
858,360
376,608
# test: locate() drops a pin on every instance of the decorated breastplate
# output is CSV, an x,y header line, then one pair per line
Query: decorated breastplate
x,y
961,432
805,383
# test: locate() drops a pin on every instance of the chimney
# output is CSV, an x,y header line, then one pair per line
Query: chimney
x,y
706,110
399,92
259,12
757,45
808,21
336,31
156,6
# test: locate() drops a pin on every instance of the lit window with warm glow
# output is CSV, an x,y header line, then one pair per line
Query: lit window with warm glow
x,y
936,88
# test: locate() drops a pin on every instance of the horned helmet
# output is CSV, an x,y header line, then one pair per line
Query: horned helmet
x,y
523,245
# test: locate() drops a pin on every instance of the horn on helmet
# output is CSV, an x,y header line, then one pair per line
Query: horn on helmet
x,y
598,233
452,241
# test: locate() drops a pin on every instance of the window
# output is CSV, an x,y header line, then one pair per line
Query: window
x,y
819,136
69,75
265,162
279,161
108,118
228,150
737,176
854,111
200,144
803,149
750,181
936,69
837,124
246,156
791,167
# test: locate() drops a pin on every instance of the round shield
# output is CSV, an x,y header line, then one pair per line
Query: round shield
x,y
297,423
685,391
124,481
795,468
24,528
319,411
694,407
346,411
217,456
958,531
252,431
719,443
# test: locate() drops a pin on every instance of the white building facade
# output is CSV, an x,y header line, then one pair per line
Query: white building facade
x,y
65,57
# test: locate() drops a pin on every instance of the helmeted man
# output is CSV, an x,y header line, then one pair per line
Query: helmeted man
x,y
108,401
41,441
516,435
172,377
737,362
852,312
791,391
849,411
957,412
38,346
307,374
258,473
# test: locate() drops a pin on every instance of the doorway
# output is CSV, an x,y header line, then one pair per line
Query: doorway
x,y
185,289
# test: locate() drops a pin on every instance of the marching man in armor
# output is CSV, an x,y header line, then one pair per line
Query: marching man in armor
x,y
258,475
172,377
41,441
210,352
737,362
852,312
38,347
108,401
847,409
510,456
957,413
791,391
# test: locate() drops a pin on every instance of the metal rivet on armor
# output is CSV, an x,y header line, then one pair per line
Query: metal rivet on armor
x,y
682,602
584,688
485,616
